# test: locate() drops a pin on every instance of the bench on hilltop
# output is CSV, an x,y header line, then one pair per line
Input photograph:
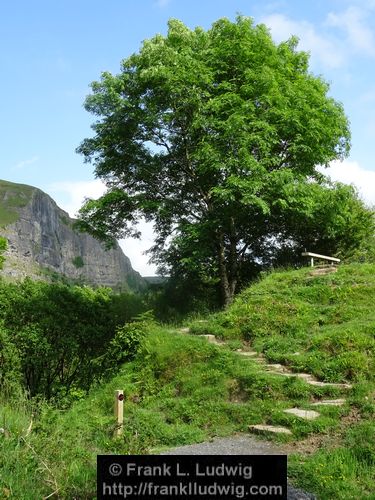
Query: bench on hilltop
x,y
312,256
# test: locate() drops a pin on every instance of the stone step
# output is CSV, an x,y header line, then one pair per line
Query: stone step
x,y
264,429
246,353
304,376
277,368
323,270
305,414
208,337
309,379
259,359
212,339
318,383
329,402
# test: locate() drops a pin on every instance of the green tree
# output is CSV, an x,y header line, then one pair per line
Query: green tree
x,y
195,133
327,218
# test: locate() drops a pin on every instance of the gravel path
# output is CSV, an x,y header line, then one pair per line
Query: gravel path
x,y
239,445
235,445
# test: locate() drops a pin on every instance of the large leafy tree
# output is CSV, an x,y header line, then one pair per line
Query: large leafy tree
x,y
210,135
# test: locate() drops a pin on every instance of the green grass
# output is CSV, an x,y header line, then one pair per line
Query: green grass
x,y
324,325
12,197
180,389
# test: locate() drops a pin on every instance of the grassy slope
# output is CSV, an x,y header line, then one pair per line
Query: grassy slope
x,y
329,321
12,196
181,389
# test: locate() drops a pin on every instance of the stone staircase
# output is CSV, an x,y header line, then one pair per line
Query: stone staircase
x,y
283,371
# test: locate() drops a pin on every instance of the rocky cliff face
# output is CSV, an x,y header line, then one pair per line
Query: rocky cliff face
x,y
42,241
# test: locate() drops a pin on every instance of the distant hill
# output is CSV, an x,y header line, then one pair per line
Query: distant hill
x,y
43,244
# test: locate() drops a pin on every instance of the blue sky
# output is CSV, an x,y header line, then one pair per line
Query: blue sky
x,y
51,51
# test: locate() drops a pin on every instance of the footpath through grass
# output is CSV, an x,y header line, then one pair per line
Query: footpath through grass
x,y
180,389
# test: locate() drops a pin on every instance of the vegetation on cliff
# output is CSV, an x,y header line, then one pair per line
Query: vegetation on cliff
x,y
12,197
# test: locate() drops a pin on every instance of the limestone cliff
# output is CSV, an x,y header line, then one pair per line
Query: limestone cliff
x,y
42,241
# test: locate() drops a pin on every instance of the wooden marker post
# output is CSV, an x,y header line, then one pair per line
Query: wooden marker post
x,y
119,412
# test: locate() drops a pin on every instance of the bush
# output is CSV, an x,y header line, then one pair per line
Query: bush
x,y
59,333
10,366
125,344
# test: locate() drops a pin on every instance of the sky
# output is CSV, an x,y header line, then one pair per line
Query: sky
x,y
52,51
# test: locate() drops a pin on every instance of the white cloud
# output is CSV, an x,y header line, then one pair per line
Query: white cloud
x,y
323,49
70,197
135,249
353,22
25,163
350,172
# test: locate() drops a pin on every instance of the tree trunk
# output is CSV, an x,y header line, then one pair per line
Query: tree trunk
x,y
233,259
228,281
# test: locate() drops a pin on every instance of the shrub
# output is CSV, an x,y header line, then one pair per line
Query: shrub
x,y
60,334
78,262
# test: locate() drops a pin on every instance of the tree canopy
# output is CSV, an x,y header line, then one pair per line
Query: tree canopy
x,y
215,136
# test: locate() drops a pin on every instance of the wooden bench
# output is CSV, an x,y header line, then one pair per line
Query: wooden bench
x,y
313,256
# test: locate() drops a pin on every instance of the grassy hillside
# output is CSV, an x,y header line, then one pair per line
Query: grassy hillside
x,y
323,324
12,196
181,389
